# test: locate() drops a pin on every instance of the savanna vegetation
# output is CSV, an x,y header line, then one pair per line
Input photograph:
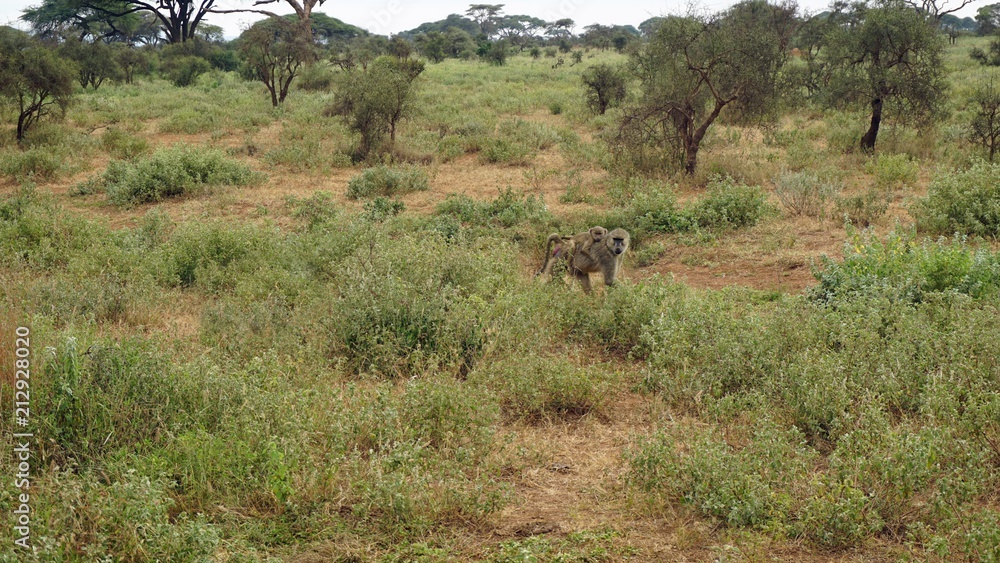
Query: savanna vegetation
x,y
281,307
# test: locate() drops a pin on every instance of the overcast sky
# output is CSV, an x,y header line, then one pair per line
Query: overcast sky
x,y
392,16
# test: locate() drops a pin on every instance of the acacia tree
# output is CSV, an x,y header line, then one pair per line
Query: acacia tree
x,y
887,56
276,50
32,78
694,67
178,19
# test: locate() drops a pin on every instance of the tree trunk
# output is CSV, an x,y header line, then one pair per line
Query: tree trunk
x,y
690,156
868,140
21,123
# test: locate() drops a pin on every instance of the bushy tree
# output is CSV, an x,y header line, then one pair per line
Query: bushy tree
x,y
33,79
604,87
276,51
988,19
494,52
95,62
694,67
131,61
883,55
985,126
375,100
987,58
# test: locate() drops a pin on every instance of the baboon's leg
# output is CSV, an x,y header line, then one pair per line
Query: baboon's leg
x,y
584,279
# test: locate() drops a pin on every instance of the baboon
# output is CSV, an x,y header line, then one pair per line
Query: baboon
x,y
592,251
559,247
604,257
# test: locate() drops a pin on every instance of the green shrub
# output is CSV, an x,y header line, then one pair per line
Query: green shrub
x,y
131,518
385,181
962,201
171,172
380,209
212,254
619,320
505,151
317,210
507,210
751,486
730,205
543,389
901,269
183,71
38,164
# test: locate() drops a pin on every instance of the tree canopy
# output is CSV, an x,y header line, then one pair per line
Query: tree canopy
x,y
694,67
33,78
883,55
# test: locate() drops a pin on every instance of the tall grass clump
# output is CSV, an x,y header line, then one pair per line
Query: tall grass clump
x,y
893,171
385,181
962,201
862,209
170,172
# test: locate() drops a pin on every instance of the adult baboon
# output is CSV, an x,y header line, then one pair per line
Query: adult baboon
x,y
559,247
604,257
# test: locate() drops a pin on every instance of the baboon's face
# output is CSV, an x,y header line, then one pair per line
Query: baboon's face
x,y
618,243
598,233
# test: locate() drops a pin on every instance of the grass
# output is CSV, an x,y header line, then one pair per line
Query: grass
x,y
277,371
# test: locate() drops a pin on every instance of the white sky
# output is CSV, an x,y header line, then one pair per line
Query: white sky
x,y
392,16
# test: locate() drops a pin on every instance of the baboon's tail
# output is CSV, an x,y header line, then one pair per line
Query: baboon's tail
x,y
549,256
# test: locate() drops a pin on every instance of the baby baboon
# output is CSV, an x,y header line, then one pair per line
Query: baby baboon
x,y
583,242
564,248
604,257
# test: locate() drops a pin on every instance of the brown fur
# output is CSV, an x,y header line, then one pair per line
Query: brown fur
x,y
595,250
560,248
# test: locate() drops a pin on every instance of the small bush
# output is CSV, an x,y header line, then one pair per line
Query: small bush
x,y
730,205
317,209
803,193
507,210
751,486
385,181
863,209
962,201
380,209
172,172
183,71
544,389
38,164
